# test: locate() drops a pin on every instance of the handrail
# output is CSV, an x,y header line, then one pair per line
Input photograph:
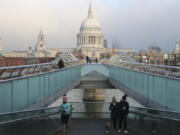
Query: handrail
x,y
52,113
150,73
15,78
25,70
154,65
156,116
30,110
145,108
57,111
30,116
157,109
134,112
26,66
30,65
27,118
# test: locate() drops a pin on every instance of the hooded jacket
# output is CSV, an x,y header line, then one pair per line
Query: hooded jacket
x,y
123,108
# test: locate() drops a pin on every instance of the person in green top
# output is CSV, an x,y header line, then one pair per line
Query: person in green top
x,y
65,109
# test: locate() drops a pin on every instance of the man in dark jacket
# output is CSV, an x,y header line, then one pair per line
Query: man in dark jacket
x,y
87,59
61,64
123,110
113,108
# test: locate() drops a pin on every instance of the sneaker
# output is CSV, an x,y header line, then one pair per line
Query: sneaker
x,y
119,131
125,131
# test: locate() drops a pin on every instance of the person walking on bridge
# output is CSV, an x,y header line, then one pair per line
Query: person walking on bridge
x,y
87,59
65,109
113,108
61,64
123,110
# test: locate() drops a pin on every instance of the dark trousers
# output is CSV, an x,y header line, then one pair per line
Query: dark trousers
x,y
114,121
64,118
123,120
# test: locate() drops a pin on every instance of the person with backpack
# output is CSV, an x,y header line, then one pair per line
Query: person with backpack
x,y
113,108
123,110
65,109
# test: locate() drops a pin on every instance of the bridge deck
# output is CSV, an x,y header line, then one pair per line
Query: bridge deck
x,y
88,127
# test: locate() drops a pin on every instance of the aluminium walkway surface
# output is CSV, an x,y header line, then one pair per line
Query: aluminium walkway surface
x,y
88,127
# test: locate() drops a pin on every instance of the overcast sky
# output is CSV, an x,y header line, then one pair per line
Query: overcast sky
x,y
131,23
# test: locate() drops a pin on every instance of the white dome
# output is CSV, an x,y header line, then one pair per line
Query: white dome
x,y
90,22
90,35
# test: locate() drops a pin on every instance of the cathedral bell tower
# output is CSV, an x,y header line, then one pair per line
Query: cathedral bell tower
x,y
40,46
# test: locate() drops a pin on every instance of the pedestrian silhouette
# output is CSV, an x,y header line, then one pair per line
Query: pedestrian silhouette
x,y
123,110
61,64
87,59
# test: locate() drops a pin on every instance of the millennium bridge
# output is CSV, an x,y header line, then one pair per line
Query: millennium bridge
x,y
27,91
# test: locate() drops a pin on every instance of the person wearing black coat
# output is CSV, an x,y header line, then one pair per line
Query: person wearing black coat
x,y
87,59
61,64
113,108
123,110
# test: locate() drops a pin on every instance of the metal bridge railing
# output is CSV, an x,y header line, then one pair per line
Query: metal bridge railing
x,y
173,71
140,122
24,70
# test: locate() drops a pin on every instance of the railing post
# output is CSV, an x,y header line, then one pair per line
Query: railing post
x,y
44,91
28,104
12,96
166,95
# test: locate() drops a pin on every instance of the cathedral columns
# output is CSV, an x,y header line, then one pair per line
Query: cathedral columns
x,y
84,39
81,40
91,40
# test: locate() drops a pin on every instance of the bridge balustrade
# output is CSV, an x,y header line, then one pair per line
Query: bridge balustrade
x,y
23,92
151,89
89,117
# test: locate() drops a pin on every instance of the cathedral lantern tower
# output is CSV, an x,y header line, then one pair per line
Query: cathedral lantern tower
x,y
40,46
90,38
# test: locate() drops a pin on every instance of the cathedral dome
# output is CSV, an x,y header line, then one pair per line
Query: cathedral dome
x,y
90,35
90,22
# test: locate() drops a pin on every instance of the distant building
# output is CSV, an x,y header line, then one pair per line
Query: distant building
x,y
177,54
105,43
4,62
90,42
40,46
169,59
177,47
17,61
154,48
90,39
152,56
155,57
